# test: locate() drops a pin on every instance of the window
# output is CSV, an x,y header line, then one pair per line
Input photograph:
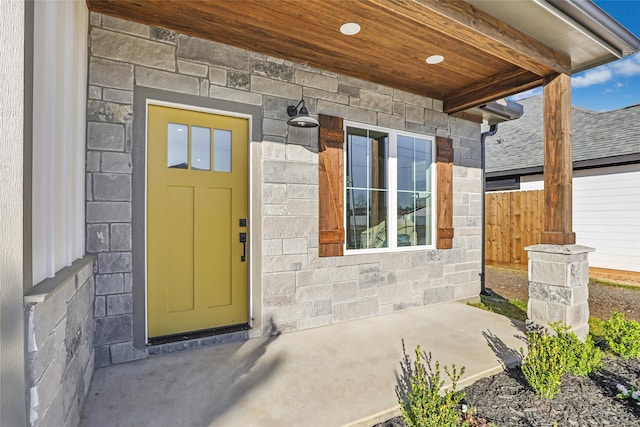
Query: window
x,y
389,178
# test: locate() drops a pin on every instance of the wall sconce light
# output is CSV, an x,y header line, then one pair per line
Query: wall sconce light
x,y
301,119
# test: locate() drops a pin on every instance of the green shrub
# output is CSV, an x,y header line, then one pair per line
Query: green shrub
x,y
544,364
581,358
421,403
549,357
623,336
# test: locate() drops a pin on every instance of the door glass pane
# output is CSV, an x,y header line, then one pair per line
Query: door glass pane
x,y
200,148
221,150
177,146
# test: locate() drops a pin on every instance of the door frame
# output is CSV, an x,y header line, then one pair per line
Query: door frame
x,y
207,110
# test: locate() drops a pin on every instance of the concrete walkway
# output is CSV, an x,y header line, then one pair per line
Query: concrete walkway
x,y
338,375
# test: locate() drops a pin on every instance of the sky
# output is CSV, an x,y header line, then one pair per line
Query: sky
x,y
616,84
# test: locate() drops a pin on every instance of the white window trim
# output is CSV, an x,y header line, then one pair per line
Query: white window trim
x,y
392,162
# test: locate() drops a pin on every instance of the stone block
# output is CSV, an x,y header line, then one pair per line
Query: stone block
x,y
275,127
200,50
125,26
370,276
321,308
128,282
100,306
464,291
278,284
339,98
577,314
355,310
413,99
109,284
217,76
119,304
313,293
167,81
126,352
102,357
238,80
300,153
117,95
120,237
120,47
114,262
439,294
94,92
272,246
414,114
50,412
194,69
332,275
347,112
287,227
376,101
48,387
93,161
348,90
272,70
112,187
549,273
276,88
290,313
111,74
294,246
204,87
113,329
297,207
391,121
116,162
352,81
279,300
345,291
318,81
394,294
99,212
273,150
436,119
97,238
103,111
235,95
105,136
302,191
163,35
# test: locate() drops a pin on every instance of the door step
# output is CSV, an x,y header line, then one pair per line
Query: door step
x,y
208,337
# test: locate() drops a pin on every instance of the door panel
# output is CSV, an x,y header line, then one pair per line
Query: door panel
x,y
197,190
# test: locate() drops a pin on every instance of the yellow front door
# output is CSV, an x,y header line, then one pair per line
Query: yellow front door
x,y
197,206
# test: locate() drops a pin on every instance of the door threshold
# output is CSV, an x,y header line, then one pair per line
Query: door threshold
x,y
203,338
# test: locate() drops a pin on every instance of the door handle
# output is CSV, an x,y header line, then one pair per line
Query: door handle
x,y
243,240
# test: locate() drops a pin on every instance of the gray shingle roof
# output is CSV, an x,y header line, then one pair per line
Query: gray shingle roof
x,y
519,143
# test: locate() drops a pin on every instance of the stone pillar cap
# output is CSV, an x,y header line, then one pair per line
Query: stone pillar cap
x,y
560,249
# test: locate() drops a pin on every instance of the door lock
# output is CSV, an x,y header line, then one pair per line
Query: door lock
x,y
243,240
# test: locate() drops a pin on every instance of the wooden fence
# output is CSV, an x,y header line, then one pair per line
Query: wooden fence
x,y
513,221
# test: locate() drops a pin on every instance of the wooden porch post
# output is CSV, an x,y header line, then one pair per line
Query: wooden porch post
x,y
558,166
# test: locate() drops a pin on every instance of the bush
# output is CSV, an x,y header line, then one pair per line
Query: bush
x,y
421,403
623,336
544,364
582,358
550,357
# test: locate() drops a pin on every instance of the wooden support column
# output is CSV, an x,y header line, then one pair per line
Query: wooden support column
x,y
558,166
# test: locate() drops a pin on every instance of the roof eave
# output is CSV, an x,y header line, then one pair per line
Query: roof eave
x,y
600,24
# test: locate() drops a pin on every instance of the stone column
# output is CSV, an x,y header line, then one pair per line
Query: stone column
x,y
558,286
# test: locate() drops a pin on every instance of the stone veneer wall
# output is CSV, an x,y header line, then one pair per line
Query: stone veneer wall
x,y
60,350
295,289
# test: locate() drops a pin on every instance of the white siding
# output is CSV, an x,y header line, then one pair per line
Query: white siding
x,y
59,115
606,213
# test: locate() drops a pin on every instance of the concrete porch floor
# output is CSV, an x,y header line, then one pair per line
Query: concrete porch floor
x,y
337,375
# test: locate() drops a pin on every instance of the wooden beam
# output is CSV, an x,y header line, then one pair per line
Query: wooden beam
x,y
558,166
462,21
497,86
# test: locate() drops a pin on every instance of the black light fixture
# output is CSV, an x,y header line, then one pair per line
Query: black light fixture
x,y
301,119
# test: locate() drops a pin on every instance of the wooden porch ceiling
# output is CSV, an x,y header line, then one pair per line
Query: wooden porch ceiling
x,y
484,58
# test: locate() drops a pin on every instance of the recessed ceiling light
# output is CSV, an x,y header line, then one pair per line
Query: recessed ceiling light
x,y
435,59
350,29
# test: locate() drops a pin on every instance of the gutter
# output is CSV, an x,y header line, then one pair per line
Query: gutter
x,y
493,129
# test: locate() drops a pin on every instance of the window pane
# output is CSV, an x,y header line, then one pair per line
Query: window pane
x,y
367,153
200,148
422,158
414,218
366,219
356,217
221,150
177,146
376,232
405,163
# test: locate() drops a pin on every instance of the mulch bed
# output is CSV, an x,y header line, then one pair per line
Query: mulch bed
x,y
507,400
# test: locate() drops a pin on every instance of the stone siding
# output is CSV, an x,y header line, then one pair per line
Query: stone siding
x,y
297,289
60,350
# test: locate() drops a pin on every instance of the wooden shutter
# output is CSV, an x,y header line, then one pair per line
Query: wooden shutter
x,y
444,220
330,186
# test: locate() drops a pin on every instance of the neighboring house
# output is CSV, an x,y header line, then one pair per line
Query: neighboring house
x,y
153,190
606,176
